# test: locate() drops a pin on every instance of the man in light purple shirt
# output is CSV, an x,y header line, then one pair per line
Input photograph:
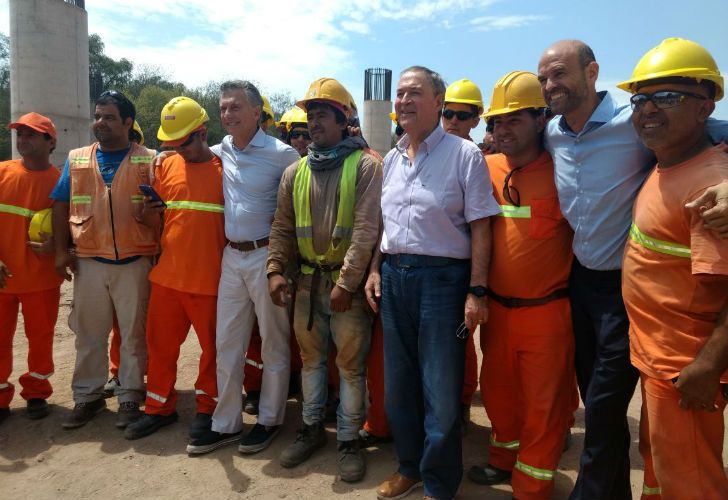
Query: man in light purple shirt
x,y
436,203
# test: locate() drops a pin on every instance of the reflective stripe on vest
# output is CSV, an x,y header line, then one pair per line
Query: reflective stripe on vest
x,y
511,445
156,397
15,210
40,376
542,474
196,205
141,159
514,212
646,490
200,392
660,246
344,216
83,160
81,199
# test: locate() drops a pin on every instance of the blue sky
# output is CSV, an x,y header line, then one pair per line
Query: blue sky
x,y
284,45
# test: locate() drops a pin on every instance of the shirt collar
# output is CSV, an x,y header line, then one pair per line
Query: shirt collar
x,y
257,141
604,112
429,143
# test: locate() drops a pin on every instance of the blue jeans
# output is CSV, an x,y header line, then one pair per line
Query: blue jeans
x,y
351,333
424,362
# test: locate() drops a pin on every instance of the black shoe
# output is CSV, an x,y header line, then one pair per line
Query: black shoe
x,y
258,439
211,441
128,413
4,414
148,424
351,461
200,425
487,474
83,413
309,439
367,439
252,400
37,408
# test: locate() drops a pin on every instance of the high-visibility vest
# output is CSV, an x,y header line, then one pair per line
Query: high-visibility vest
x,y
341,235
102,218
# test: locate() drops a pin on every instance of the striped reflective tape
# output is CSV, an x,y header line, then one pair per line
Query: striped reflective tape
x,y
40,376
660,246
156,397
81,159
535,472
4,386
81,199
514,212
141,159
196,205
646,490
200,392
137,198
15,210
511,445
250,362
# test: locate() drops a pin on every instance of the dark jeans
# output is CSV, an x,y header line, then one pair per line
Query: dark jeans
x,y
424,361
606,382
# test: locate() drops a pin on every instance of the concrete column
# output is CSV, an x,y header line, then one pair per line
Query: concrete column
x,y
377,126
49,69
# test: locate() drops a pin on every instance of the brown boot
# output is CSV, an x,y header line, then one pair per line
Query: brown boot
x,y
397,486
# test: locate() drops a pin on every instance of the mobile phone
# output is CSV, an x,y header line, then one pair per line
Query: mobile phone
x,y
149,191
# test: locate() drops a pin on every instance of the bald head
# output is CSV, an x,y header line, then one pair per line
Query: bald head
x,y
582,51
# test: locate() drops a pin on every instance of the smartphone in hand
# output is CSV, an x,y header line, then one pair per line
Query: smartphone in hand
x,y
149,191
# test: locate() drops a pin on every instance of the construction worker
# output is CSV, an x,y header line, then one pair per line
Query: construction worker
x,y
190,183
599,164
135,135
297,134
334,240
27,277
436,205
527,343
98,196
253,163
675,274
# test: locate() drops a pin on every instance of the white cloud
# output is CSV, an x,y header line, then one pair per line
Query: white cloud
x,y
489,23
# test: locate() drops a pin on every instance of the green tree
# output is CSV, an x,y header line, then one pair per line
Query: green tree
x,y
105,73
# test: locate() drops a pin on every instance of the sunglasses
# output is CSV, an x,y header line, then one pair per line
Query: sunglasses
x,y
507,189
663,99
462,115
297,134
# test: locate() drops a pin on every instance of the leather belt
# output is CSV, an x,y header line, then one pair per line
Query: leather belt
x,y
512,302
412,260
247,246
315,280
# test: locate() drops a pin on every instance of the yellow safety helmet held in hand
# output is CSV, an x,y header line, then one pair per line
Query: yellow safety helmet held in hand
x,y
466,92
139,132
180,117
676,57
41,222
329,91
515,91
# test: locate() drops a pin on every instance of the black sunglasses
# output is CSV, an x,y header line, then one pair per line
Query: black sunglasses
x,y
663,99
507,188
296,134
462,115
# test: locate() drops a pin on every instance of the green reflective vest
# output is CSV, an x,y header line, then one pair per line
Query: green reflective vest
x,y
341,235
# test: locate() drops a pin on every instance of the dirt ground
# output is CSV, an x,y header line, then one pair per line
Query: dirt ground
x,y
41,460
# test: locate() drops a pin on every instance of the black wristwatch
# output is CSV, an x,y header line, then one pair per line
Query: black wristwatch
x,y
478,291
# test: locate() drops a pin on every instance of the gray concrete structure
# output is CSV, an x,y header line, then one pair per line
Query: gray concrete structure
x,y
376,124
49,68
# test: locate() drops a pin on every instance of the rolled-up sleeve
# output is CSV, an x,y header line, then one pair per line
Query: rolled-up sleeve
x,y
479,200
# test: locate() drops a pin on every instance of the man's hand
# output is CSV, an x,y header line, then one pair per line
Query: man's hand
x,y
149,208
476,311
713,208
64,262
4,274
46,246
698,386
163,155
373,290
278,290
340,299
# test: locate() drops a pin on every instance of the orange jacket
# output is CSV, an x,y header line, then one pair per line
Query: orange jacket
x,y
102,218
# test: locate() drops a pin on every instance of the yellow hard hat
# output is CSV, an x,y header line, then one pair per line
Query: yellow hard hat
x,y
393,116
285,118
266,122
297,116
515,91
329,91
676,57
41,222
466,92
138,130
180,117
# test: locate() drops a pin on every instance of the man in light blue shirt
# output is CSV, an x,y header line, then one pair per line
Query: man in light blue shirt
x,y
600,165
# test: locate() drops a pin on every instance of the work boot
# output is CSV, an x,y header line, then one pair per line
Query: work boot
x,y
128,412
309,439
487,474
148,424
110,387
351,461
200,425
397,486
37,408
252,400
83,413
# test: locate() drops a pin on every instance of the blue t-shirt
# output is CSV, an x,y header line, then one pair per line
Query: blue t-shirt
x,y
109,163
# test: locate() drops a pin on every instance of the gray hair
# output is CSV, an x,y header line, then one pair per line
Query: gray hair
x,y
252,94
437,82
